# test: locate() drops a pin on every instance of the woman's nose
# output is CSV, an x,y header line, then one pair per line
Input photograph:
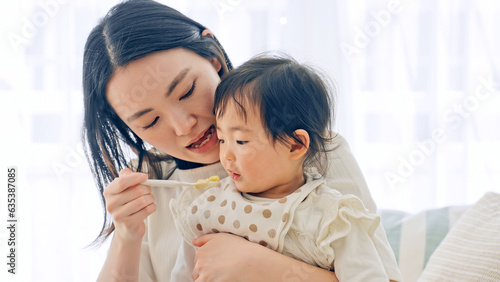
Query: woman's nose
x,y
182,124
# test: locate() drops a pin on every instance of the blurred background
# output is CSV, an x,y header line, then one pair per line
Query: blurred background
x,y
418,101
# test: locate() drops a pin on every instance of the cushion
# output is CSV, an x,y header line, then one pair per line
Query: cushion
x,y
414,237
471,250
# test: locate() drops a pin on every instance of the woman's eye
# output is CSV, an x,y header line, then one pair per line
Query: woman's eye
x,y
241,142
151,124
189,92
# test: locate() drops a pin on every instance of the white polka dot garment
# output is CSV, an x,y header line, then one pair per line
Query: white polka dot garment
x,y
225,209
303,225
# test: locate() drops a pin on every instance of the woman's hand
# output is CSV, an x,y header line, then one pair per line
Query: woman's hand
x,y
219,258
129,203
225,257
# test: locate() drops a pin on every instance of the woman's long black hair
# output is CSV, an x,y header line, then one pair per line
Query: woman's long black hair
x,y
131,30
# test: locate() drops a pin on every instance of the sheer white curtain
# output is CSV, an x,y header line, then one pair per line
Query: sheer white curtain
x,y
418,102
418,86
424,80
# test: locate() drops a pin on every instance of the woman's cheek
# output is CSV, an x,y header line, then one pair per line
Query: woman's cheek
x,y
208,92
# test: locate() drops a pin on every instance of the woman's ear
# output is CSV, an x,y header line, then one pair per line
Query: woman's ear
x,y
298,150
206,32
215,62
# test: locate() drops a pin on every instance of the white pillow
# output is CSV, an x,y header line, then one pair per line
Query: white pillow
x,y
471,250
414,237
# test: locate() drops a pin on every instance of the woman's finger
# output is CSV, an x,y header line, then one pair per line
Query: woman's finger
x,y
130,194
125,171
202,240
121,212
133,213
125,181
138,204
132,227
143,213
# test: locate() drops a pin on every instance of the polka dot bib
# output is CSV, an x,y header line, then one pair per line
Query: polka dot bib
x,y
225,209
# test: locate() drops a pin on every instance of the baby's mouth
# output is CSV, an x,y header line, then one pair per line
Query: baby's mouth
x,y
203,139
234,175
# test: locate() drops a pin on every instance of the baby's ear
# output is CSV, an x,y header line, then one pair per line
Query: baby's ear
x,y
298,150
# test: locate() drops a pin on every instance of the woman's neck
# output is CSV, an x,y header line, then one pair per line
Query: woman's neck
x,y
184,165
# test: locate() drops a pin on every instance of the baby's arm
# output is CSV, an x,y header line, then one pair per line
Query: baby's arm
x,y
344,174
356,258
345,238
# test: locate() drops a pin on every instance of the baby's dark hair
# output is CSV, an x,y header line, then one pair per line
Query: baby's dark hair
x,y
290,96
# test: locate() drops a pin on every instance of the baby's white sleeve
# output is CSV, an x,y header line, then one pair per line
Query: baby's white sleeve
x,y
356,258
345,237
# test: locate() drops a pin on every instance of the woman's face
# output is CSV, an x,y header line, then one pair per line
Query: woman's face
x,y
166,98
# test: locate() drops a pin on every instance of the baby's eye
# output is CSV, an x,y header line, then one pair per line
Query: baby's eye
x,y
239,142
221,140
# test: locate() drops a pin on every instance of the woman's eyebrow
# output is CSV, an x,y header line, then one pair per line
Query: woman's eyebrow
x,y
139,114
176,80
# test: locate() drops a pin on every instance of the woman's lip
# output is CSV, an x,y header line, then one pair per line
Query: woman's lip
x,y
199,136
209,145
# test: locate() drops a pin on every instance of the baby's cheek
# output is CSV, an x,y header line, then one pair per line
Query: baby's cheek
x,y
249,154
256,149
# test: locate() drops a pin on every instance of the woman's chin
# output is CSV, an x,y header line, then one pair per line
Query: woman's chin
x,y
206,159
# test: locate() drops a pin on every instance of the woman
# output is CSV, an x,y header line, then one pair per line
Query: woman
x,y
150,75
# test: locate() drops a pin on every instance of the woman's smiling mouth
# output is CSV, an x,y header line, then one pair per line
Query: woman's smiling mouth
x,y
206,142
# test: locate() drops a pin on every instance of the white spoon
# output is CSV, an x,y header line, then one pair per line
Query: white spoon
x,y
210,182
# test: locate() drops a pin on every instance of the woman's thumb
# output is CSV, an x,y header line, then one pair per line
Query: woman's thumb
x,y
202,240
125,171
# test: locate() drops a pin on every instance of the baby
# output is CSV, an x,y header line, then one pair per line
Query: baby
x,y
273,119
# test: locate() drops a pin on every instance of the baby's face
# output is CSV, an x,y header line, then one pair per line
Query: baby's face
x,y
255,163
